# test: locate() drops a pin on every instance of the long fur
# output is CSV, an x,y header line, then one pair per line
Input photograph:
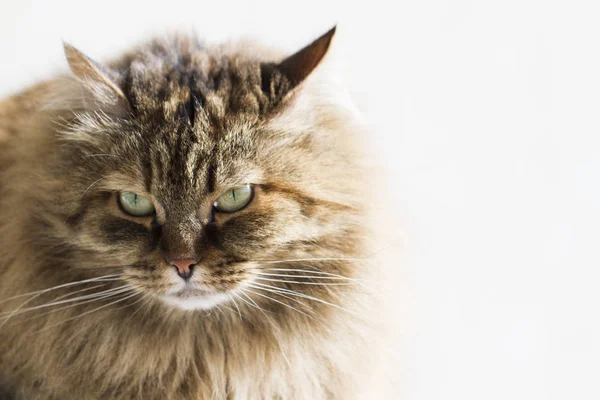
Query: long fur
x,y
201,121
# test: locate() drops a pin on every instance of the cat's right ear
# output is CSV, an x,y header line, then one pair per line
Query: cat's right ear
x,y
100,91
277,79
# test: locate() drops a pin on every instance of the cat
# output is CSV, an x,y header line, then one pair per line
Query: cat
x,y
186,222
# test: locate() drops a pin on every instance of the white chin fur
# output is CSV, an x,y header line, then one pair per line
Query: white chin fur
x,y
203,302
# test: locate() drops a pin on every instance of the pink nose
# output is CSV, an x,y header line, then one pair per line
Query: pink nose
x,y
185,268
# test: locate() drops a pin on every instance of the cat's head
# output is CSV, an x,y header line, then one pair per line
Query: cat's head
x,y
195,172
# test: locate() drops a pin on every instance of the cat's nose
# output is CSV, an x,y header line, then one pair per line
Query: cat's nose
x,y
185,268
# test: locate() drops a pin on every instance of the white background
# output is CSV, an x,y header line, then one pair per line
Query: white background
x,y
487,116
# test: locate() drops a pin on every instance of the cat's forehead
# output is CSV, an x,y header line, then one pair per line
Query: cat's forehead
x,y
189,82
196,114
191,161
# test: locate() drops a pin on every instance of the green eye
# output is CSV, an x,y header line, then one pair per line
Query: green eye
x,y
135,205
234,199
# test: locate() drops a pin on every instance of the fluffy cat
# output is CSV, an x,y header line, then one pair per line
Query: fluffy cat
x,y
186,222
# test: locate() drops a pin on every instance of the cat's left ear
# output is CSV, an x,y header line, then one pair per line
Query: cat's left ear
x,y
100,89
295,68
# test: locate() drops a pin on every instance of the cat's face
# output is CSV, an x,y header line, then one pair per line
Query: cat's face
x,y
203,181
218,202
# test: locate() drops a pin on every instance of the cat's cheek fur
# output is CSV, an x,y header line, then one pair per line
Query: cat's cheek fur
x,y
276,221
119,239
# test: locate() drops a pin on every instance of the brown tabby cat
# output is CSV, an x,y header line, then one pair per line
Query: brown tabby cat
x,y
187,222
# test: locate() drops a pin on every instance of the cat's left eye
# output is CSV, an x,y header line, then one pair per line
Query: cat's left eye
x,y
235,199
135,205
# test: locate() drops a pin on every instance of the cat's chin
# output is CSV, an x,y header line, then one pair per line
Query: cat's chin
x,y
194,299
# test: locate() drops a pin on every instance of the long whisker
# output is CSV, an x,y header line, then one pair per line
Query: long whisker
x,y
340,277
309,271
105,278
148,306
89,187
78,291
38,294
244,301
253,303
218,308
55,303
326,258
306,283
279,293
101,297
236,306
128,296
280,302
282,295
326,275
308,297
227,307
148,299
135,302
276,329
291,260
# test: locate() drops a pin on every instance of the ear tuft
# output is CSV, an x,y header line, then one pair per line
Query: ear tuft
x,y
101,91
279,79
299,65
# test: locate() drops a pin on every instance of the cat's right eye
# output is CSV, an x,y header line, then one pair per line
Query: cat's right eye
x,y
235,199
135,205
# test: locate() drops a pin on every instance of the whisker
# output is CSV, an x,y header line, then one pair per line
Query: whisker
x,y
276,330
317,259
227,307
236,306
282,295
145,296
326,275
128,296
310,259
106,296
340,277
38,294
308,297
54,303
280,302
253,303
279,293
78,291
148,306
218,308
105,278
309,271
326,258
134,303
306,283
89,187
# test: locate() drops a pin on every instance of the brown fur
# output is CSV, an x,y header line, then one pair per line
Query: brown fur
x,y
181,123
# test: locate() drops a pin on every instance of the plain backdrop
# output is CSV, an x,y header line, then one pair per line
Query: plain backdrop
x,y
485,114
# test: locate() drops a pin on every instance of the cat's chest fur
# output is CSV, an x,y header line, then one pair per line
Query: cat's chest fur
x,y
236,362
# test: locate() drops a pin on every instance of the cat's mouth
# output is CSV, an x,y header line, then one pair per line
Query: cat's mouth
x,y
194,298
190,292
